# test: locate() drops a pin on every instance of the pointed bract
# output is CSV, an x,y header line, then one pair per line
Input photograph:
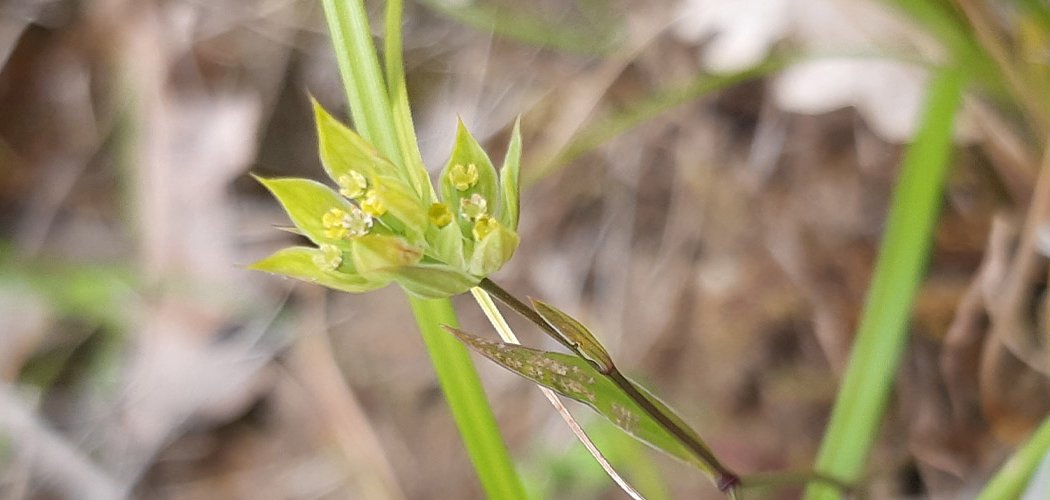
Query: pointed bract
x,y
306,203
468,158
508,180
301,263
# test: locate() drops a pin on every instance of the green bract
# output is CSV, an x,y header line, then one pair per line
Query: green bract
x,y
374,227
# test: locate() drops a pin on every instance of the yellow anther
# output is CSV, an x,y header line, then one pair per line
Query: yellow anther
x,y
331,257
483,227
440,215
352,185
339,224
463,178
473,207
334,223
372,205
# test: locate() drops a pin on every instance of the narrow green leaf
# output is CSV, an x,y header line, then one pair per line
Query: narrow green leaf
x,y
467,155
306,202
883,330
575,335
578,379
300,263
508,180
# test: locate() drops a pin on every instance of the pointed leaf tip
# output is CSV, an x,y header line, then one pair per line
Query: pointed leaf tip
x,y
576,336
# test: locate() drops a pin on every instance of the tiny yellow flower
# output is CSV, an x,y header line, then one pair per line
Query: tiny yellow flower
x,y
474,207
372,205
463,178
440,215
339,224
333,222
483,227
331,257
352,185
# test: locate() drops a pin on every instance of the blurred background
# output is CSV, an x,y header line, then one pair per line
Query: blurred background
x,y
707,183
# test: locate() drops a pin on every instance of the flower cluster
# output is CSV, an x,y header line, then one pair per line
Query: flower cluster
x,y
386,223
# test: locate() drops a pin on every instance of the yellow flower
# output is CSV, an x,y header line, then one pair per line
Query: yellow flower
x,y
339,224
331,257
463,178
352,185
372,205
439,214
484,226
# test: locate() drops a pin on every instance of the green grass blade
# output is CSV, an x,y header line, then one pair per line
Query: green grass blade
x,y
374,118
882,334
1013,477
459,381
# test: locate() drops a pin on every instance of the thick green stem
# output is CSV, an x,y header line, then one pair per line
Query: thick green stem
x,y
374,117
883,331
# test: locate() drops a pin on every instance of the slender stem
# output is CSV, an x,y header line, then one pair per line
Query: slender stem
x,y
503,329
1011,479
519,307
883,331
726,480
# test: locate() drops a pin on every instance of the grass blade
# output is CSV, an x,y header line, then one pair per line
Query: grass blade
x,y
882,334
1013,477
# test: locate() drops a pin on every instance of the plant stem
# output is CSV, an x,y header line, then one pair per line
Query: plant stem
x,y
466,398
1015,474
883,330
374,118
726,479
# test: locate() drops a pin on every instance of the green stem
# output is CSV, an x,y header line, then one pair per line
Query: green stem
x,y
466,398
883,330
374,118
1015,474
